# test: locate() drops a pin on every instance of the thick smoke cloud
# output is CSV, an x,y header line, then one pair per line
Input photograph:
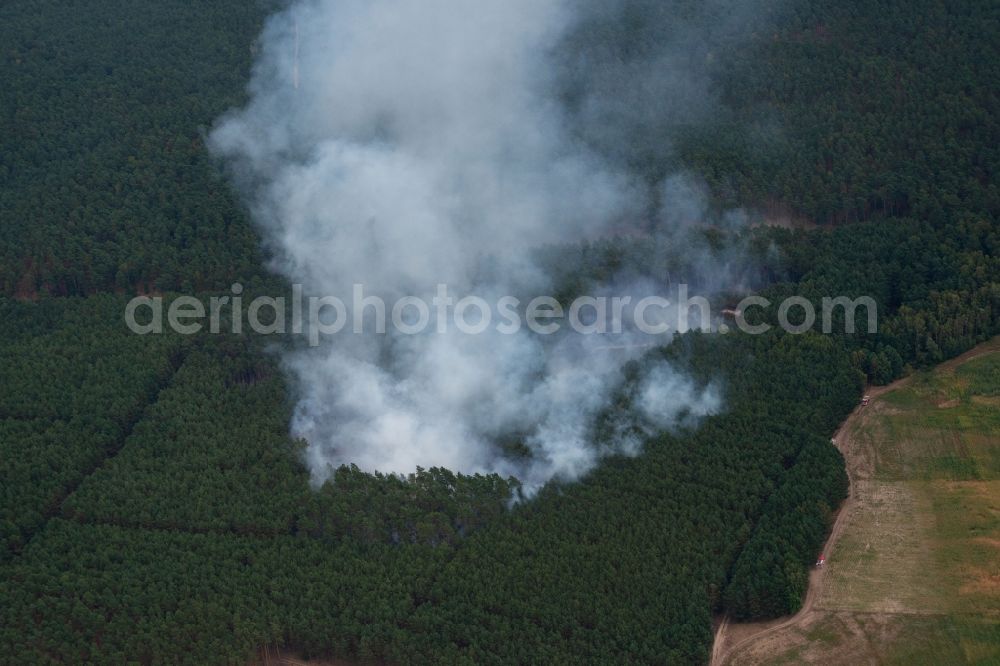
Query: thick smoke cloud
x,y
401,144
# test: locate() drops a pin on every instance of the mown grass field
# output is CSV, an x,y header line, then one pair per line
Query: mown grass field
x,y
915,577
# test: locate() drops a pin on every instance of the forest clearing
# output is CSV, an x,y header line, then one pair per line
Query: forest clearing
x,y
912,573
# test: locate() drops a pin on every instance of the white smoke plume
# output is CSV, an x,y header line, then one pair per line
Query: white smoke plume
x,y
402,144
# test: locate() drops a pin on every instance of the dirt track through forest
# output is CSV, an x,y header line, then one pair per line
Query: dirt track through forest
x,y
732,639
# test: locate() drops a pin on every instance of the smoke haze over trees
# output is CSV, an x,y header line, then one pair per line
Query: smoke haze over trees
x,y
398,145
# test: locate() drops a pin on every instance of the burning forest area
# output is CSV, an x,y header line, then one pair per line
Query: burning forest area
x,y
525,332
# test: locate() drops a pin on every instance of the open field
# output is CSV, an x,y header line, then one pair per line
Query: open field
x,y
913,567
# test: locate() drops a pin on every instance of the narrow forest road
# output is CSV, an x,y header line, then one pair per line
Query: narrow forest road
x,y
731,639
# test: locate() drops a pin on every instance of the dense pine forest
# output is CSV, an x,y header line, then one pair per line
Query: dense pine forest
x,y
153,507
